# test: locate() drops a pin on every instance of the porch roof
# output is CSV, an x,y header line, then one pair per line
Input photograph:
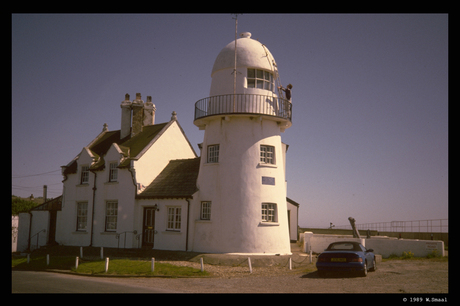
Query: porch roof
x,y
177,180
53,204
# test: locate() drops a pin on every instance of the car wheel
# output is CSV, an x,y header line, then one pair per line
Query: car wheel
x,y
374,265
364,272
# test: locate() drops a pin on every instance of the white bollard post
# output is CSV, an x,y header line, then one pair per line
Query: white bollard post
x,y
102,252
153,264
202,265
76,263
106,264
250,265
81,252
47,259
311,256
290,263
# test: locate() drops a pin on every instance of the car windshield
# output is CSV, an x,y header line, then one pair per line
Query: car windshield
x,y
343,246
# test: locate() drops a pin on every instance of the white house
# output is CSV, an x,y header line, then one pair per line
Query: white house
x,y
144,185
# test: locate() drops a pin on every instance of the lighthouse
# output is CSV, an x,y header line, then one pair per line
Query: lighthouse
x,y
241,180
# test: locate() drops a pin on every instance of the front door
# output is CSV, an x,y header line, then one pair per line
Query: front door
x,y
148,230
52,227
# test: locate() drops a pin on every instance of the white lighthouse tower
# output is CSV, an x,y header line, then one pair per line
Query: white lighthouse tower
x,y
242,188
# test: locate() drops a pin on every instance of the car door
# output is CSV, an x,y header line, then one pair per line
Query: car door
x,y
367,255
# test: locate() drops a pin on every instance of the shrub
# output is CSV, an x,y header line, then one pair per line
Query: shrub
x,y
433,254
407,255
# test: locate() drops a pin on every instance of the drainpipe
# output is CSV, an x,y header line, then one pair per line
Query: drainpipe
x,y
188,221
30,229
92,212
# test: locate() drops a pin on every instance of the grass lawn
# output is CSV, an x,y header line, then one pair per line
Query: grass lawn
x,y
116,267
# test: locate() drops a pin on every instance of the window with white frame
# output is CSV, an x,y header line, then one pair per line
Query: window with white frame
x,y
113,172
84,176
82,216
205,210
260,79
267,154
269,212
174,219
111,216
213,154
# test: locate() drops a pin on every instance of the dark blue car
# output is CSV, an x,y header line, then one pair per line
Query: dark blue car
x,y
346,256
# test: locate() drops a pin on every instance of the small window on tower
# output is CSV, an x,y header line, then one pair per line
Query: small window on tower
x,y
205,210
269,213
267,154
213,154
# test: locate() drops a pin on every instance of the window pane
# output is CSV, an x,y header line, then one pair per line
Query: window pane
x,y
267,75
213,154
113,175
251,73
111,216
267,85
268,212
260,74
82,211
84,175
251,83
205,210
260,84
267,154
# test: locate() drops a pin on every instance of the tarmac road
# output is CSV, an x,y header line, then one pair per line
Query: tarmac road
x,y
393,276
46,282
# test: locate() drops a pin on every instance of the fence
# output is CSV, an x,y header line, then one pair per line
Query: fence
x,y
427,226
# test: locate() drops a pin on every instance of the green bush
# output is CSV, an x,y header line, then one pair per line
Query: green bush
x,y
407,255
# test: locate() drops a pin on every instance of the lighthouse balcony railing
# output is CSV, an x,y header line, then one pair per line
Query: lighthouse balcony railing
x,y
244,104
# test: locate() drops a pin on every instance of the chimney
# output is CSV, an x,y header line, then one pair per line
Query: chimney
x,y
149,112
45,188
138,115
125,117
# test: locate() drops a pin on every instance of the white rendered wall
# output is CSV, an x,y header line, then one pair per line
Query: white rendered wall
x,y
234,185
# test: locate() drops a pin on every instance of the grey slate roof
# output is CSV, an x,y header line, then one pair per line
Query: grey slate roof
x,y
131,146
177,180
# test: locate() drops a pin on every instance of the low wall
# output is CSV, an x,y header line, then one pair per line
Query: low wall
x,y
404,235
381,245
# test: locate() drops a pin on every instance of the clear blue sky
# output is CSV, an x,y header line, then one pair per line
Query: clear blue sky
x,y
370,99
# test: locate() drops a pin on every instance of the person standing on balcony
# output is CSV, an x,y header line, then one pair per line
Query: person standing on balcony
x,y
287,90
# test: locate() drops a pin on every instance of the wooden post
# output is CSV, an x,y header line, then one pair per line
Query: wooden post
x,y
250,265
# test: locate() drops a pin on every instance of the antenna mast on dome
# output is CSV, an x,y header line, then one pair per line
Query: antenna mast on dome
x,y
234,69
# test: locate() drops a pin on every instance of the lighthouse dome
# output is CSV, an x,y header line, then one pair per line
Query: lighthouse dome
x,y
250,53
255,69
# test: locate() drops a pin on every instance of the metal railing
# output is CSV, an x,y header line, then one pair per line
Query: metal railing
x,y
433,225
38,238
244,104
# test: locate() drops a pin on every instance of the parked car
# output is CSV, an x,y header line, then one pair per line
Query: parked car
x,y
346,256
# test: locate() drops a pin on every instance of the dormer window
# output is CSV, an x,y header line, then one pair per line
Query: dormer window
x,y
84,176
261,79
113,172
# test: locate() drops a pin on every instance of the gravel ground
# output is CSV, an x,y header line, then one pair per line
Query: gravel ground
x,y
393,276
